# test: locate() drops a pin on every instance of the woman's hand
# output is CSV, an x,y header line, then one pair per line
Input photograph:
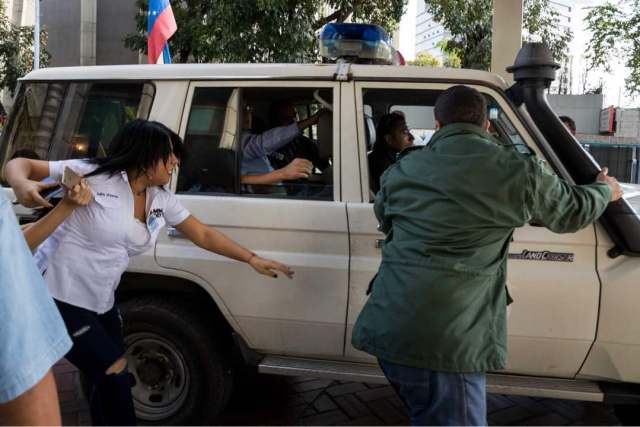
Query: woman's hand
x,y
28,193
269,267
80,195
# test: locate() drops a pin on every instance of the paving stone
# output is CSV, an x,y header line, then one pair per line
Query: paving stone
x,y
74,406
326,419
551,419
510,416
340,389
69,419
84,418
568,409
387,412
65,381
296,380
352,406
535,407
398,403
496,402
365,421
324,403
309,411
311,385
66,396
297,411
599,414
376,385
304,400
376,393
309,396
294,399
63,366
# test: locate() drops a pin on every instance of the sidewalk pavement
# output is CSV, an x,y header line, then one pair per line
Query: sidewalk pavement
x,y
274,400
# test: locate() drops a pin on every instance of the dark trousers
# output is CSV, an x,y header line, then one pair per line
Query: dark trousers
x,y
97,344
439,398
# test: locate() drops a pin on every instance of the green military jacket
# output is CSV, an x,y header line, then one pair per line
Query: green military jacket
x,y
449,210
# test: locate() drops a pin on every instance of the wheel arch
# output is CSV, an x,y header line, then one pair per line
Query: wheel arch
x,y
198,295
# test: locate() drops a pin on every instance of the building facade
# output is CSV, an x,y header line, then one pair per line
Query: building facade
x,y
428,32
89,32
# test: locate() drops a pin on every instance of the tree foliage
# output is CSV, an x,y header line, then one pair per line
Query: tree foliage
x,y
16,51
615,33
259,30
425,59
541,21
450,60
470,25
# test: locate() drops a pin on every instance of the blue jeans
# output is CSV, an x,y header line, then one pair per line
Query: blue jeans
x,y
97,343
439,398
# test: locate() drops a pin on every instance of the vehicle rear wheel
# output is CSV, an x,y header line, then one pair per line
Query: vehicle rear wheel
x,y
182,373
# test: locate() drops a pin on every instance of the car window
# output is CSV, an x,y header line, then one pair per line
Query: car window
x,y
417,108
210,141
244,142
64,120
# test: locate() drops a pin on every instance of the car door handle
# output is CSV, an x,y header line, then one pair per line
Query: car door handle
x,y
379,243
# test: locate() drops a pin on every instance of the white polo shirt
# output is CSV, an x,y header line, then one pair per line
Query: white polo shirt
x,y
84,258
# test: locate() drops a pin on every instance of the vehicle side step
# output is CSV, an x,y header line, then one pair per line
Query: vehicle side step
x,y
496,383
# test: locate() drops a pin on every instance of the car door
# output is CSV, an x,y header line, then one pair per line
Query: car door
x,y
303,225
552,277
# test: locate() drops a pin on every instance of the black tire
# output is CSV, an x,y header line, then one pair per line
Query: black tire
x,y
181,368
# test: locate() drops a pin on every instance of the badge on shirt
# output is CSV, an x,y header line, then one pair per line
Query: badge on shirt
x,y
155,220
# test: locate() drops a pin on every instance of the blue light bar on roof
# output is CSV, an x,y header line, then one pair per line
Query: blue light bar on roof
x,y
365,43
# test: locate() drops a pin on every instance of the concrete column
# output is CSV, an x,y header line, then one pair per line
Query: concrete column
x,y
506,37
88,18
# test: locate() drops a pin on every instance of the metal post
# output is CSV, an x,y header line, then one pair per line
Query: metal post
x,y
506,37
36,36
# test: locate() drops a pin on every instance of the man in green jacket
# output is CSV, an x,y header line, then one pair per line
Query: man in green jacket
x,y
436,316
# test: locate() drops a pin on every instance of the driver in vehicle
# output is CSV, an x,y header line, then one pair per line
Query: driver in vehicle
x,y
256,168
283,113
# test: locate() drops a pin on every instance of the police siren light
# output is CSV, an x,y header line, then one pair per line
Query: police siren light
x,y
359,43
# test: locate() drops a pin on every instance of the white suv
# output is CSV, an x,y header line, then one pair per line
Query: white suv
x,y
573,331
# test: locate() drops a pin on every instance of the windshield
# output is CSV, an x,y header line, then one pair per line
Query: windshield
x,y
66,120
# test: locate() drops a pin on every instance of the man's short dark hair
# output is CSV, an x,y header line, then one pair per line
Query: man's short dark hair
x,y
461,104
569,122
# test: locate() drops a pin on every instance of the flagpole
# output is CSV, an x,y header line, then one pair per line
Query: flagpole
x,y
36,37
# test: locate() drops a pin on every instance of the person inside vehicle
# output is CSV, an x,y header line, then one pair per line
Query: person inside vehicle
x,y
283,113
392,136
255,167
569,123
83,251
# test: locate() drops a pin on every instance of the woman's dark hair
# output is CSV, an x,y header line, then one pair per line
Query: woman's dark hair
x,y
386,125
138,146
461,104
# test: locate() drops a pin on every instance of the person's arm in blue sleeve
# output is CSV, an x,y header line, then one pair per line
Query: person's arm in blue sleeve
x,y
257,146
33,334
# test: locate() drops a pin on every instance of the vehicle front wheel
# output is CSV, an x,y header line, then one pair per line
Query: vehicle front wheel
x,y
181,369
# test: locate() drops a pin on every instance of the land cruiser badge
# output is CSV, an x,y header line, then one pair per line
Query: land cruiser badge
x,y
527,255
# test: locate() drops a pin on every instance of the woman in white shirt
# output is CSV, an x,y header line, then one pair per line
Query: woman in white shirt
x,y
89,247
